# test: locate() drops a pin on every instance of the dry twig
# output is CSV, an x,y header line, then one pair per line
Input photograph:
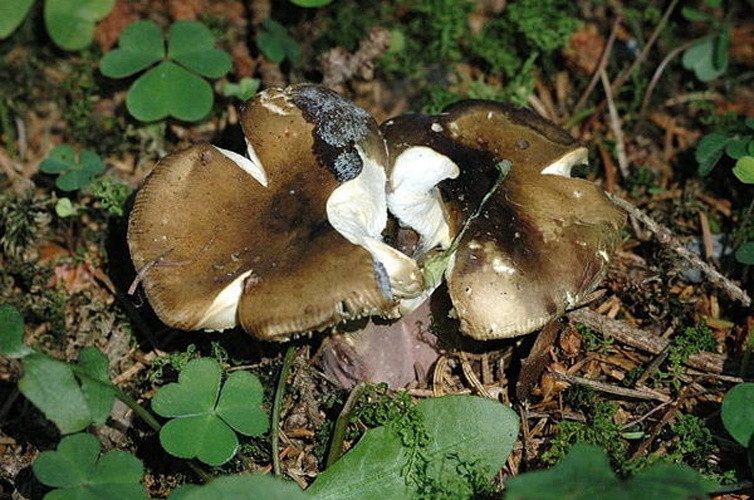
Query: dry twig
x,y
666,237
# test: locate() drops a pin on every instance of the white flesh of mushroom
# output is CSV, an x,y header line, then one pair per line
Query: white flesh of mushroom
x,y
413,196
358,211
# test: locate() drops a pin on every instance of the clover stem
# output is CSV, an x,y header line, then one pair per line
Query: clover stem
x,y
341,424
276,404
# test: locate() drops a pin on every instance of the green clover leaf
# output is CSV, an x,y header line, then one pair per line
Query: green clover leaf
x,y
71,22
75,172
72,396
12,15
80,473
744,169
175,86
206,416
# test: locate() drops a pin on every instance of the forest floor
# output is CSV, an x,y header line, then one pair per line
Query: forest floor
x,y
640,371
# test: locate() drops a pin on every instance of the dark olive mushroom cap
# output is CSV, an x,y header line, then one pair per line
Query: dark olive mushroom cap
x,y
541,242
218,248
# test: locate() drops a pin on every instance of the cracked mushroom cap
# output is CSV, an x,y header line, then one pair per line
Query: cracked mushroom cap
x,y
285,242
540,243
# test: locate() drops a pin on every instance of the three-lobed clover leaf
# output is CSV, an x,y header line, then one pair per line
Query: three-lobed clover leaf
x,y
70,23
174,84
79,472
207,414
74,172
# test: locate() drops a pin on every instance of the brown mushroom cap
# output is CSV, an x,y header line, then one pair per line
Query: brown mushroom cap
x,y
541,242
223,241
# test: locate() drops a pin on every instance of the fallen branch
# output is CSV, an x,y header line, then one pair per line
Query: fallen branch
x,y
637,338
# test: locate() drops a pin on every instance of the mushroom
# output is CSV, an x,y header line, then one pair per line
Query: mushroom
x,y
285,241
525,249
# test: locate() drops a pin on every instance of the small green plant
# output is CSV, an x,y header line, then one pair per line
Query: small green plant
x,y
592,340
174,83
738,145
79,472
585,473
690,340
74,172
112,194
206,417
70,23
72,396
707,58
276,44
243,90
599,429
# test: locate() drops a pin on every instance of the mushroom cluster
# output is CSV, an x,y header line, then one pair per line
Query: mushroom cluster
x,y
291,237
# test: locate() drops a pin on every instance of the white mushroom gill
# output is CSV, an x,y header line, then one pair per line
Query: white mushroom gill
x,y
252,166
357,209
563,165
413,196
222,313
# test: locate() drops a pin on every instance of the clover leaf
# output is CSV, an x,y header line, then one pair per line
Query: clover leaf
x,y
71,23
207,417
585,473
75,172
737,412
80,473
276,44
174,83
72,396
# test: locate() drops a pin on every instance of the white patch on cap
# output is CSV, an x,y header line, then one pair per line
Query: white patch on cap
x,y
500,267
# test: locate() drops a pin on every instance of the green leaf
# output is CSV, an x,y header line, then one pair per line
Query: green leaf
x,y
243,90
71,23
12,14
276,44
253,486
51,386
464,430
240,404
737,413
75,468
64,207
311,3
12,333
75,173
93,371
745,253
695,15
169,90
585,473
195,393
706,58
204,427
191,44
205,437
139,46
709,151
73,397
744,169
